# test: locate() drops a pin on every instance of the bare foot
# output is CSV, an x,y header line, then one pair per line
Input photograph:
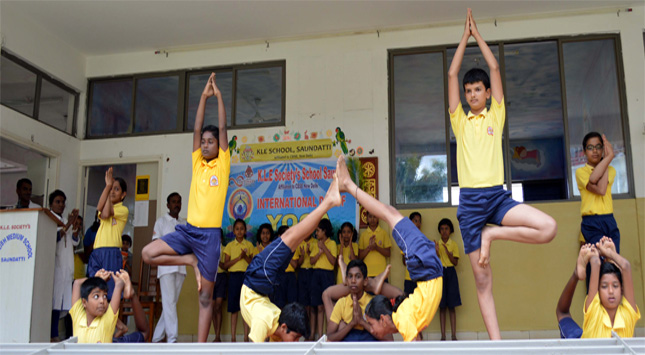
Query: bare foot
x,y
379,279
345,183
484,252
342,267
581,263
121,329
333,194
198,274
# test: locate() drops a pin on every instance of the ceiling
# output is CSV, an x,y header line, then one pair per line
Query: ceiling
x,y
108,27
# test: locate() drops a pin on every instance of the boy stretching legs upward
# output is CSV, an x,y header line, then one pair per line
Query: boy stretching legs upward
x,y
480,169
197,243
265,318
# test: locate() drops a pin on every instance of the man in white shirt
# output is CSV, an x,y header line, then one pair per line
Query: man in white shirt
x,y
23,190
171,278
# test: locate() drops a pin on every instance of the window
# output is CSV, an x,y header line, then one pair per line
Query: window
x,y
33,93
556,90
167,103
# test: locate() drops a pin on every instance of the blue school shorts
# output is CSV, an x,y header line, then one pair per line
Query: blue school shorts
x,y
108,258
420,254
359,335
569,329
235,282
203,242
304,287
221,281
320,280
450,297
594,227
134,337
264,272
479,206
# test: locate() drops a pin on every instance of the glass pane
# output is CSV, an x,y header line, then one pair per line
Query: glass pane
x,y
472,59
420,129
535,122
56,106
156,101
259,96
111,107
18,88
593,103
196,84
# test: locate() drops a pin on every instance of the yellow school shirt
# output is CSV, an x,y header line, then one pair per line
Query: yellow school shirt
x,y
290,267
259,313
100,331
208,189
111,229
323,262
591,203
598,325
452,247
346,259
480,162
306,263
407,272
374,260
416,311
344,309
234,248
221,260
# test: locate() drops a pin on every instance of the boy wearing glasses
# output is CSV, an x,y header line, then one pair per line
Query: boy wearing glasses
x,y
594,182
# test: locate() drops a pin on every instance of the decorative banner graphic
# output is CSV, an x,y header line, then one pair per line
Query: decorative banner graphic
x,y
293,150
370,184
281,193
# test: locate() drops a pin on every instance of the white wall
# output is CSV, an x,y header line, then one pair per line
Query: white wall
x,y
33,43
342,81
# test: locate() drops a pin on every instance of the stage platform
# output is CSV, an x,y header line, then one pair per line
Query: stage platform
x,y
613,345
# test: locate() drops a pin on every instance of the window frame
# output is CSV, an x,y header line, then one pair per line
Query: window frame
x,y
183,97
560,40
39,77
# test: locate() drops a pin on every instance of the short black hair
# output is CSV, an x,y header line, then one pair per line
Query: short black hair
x,y
239,220
476,75
609,268
124,186
446,222
380,305
414,214
171,196
588,136
281,230
23,181
360,264
210,128
55,194
352,228
295,316
126,238
90,284
325,225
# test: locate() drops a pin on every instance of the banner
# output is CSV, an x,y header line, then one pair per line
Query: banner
x,y
294,150
282,193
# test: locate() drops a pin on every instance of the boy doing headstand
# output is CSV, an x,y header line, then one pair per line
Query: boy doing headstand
x,y
260,281
480,168
197,243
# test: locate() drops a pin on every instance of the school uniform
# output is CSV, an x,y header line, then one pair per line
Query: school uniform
x,y
415,312
375,261
260,281
408,284
221,281
598,325
63,273
202,233
305,271
450,297
99,331
480,169
236,272
323,271
344,311
171,279
353,247
287,289
597,211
